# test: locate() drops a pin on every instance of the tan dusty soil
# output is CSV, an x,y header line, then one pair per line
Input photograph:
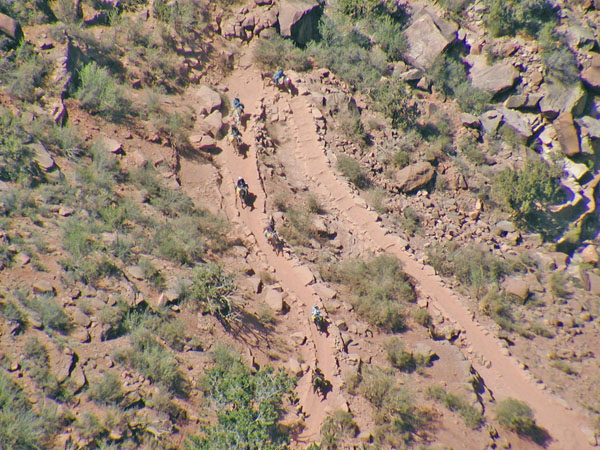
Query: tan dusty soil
x,y
502,373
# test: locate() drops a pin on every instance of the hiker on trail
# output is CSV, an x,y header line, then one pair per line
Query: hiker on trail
x,y
241,183
278,76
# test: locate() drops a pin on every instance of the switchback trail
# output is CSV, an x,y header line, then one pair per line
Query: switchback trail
x,y
501,373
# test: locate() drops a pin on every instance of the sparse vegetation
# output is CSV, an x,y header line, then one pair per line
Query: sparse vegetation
x,y
212,289
99,93
106,390
338,426
471,416
379,289
351,169
517,416
512,17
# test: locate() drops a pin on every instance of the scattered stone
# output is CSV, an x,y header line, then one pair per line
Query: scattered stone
x,y
591,74
298,338
425,352
593,283
65,211
425,42
202,142
42,157
275,300
294,367
78,379
298,19
589,126
469,120
506,226
135,272
516,101
559,98
490,121
42,287
522,124
64,365
413,177
109,144
81,319
517,287
212,124
305,275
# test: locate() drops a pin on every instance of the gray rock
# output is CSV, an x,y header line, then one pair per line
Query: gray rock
x,y
494,79
469,120
589,126
298,19
42,157
412,75
593,283
413,177
533,100
559,98
516,101
580,37
506,226
426,42
490,121
63,367
518,287
523,124
135,272
10,27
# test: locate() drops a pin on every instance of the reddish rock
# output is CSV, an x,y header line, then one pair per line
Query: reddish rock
x,y
425,42
414,177
10,27
567,134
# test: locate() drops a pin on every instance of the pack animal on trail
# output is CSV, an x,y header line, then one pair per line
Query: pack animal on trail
x,y
319,383
319,320
235,138
280,80
274,240
242,192
238,112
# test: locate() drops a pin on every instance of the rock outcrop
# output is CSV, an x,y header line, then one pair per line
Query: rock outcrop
x,y
413,177
425,42
494,79
10,27
298,19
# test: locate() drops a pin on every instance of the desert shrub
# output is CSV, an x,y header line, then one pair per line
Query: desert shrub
x,y
276,52
349,124
99,93
470,264
90,427
454,6
379,289
371,9
398,357
401,159
52,314
517,416
174,128
410,221
391,98
155,362
27,11
351,169
106,389
37,363
212,288
24,72
422,317
22,427
499,306
335,428
471,416
449,74
468,146
527,192
560,62
389,36
564,367
248,406
513,16
12,313
16,158
298,228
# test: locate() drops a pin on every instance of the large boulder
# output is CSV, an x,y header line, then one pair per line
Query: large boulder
x,y
42,157
559,98
10,27
209,100
567,134
212,124
426,42
494,79
523,124
413,177
298,19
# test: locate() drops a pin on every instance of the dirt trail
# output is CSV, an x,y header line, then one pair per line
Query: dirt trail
x,y
504,377
290,272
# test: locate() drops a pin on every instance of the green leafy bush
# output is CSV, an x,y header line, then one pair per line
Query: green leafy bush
x,y
22,427
248,406
378,288
99,93
529,191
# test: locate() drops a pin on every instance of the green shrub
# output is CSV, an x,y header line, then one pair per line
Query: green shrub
x,y
379,289
52,314
212,288
401,159
398,357
471,416
559,61
335,428
389,36
422,317
454,6
471,265
351,169
349,124
275,52
513,16
410,221
37,362
155,362
25,72
248,406
528,192
391,98
22,427
517,416
12,313
106,390
468,146
99,93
